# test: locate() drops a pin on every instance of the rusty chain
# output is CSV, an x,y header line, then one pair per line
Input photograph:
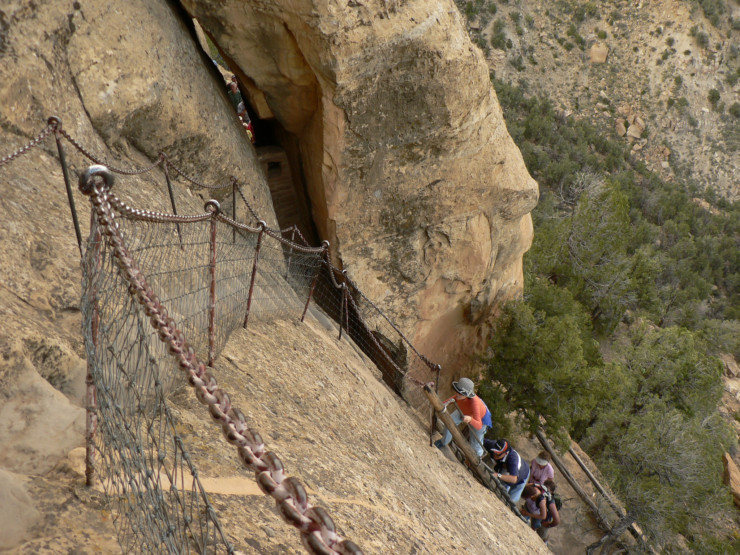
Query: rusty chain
x,y
54,125
57,124
244,198
28,146
185,176
149,216
318,532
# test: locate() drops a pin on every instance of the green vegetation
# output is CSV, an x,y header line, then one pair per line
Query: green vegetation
x,y
572,32
700,36
517,63
713,10
498,36
732,77
631,289
713,97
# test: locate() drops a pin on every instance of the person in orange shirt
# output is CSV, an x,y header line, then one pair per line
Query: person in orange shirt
x,y
474,413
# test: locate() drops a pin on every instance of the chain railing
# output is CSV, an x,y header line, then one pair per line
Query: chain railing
x,y
213,275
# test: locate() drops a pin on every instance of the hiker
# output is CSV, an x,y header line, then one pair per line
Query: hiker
x,y
540,469
234,95
474,412
512,471
541,508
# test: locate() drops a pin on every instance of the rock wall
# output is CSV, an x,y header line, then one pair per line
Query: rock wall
x,y
412,175
128,81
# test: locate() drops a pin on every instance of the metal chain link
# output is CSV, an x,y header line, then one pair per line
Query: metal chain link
x,y
149,216
192,180
97,160
318,532
28,146
244,198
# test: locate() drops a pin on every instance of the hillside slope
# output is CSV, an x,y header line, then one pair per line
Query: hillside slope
x,y
663,75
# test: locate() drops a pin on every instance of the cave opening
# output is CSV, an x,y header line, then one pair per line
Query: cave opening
x,y
279,154
278,150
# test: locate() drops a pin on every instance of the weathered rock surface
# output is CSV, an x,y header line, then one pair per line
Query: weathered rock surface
x,y
32,411
126,79
598,53
17,511
732,477
412,175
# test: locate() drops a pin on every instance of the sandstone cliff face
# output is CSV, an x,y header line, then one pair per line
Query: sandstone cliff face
x,y
128,82
412,175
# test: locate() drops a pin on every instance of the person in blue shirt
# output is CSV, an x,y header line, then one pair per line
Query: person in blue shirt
x,y
511,470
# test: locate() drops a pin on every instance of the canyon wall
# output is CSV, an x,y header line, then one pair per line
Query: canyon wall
x,y
411,173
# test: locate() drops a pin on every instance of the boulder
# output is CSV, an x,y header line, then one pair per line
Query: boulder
x,y
636,129
620,127
18,512
32,412
731,477
598,53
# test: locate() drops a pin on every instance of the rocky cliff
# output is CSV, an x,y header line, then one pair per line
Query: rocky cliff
x,y
410,171
662,75
449,195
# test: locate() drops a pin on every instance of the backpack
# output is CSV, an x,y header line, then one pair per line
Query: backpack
x,y
552,498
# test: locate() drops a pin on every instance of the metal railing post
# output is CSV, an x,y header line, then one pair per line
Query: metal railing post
x,y
342,309
91,394
325,255
263,225
65,173
163,156
215,208
233,208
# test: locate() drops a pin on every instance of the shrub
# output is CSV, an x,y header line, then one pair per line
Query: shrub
x,y
713,96
735,110
498,35
713,9
601,34
572,32
517,63
732,77
702,39
670,41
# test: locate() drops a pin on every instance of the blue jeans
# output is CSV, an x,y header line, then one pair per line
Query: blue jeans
x,y
476,445
515,490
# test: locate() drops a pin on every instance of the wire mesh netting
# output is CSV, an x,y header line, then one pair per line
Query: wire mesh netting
x,y
158,504
213,276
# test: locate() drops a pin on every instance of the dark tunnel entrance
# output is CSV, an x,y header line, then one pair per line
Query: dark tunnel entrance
x,y
279,156
278,152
